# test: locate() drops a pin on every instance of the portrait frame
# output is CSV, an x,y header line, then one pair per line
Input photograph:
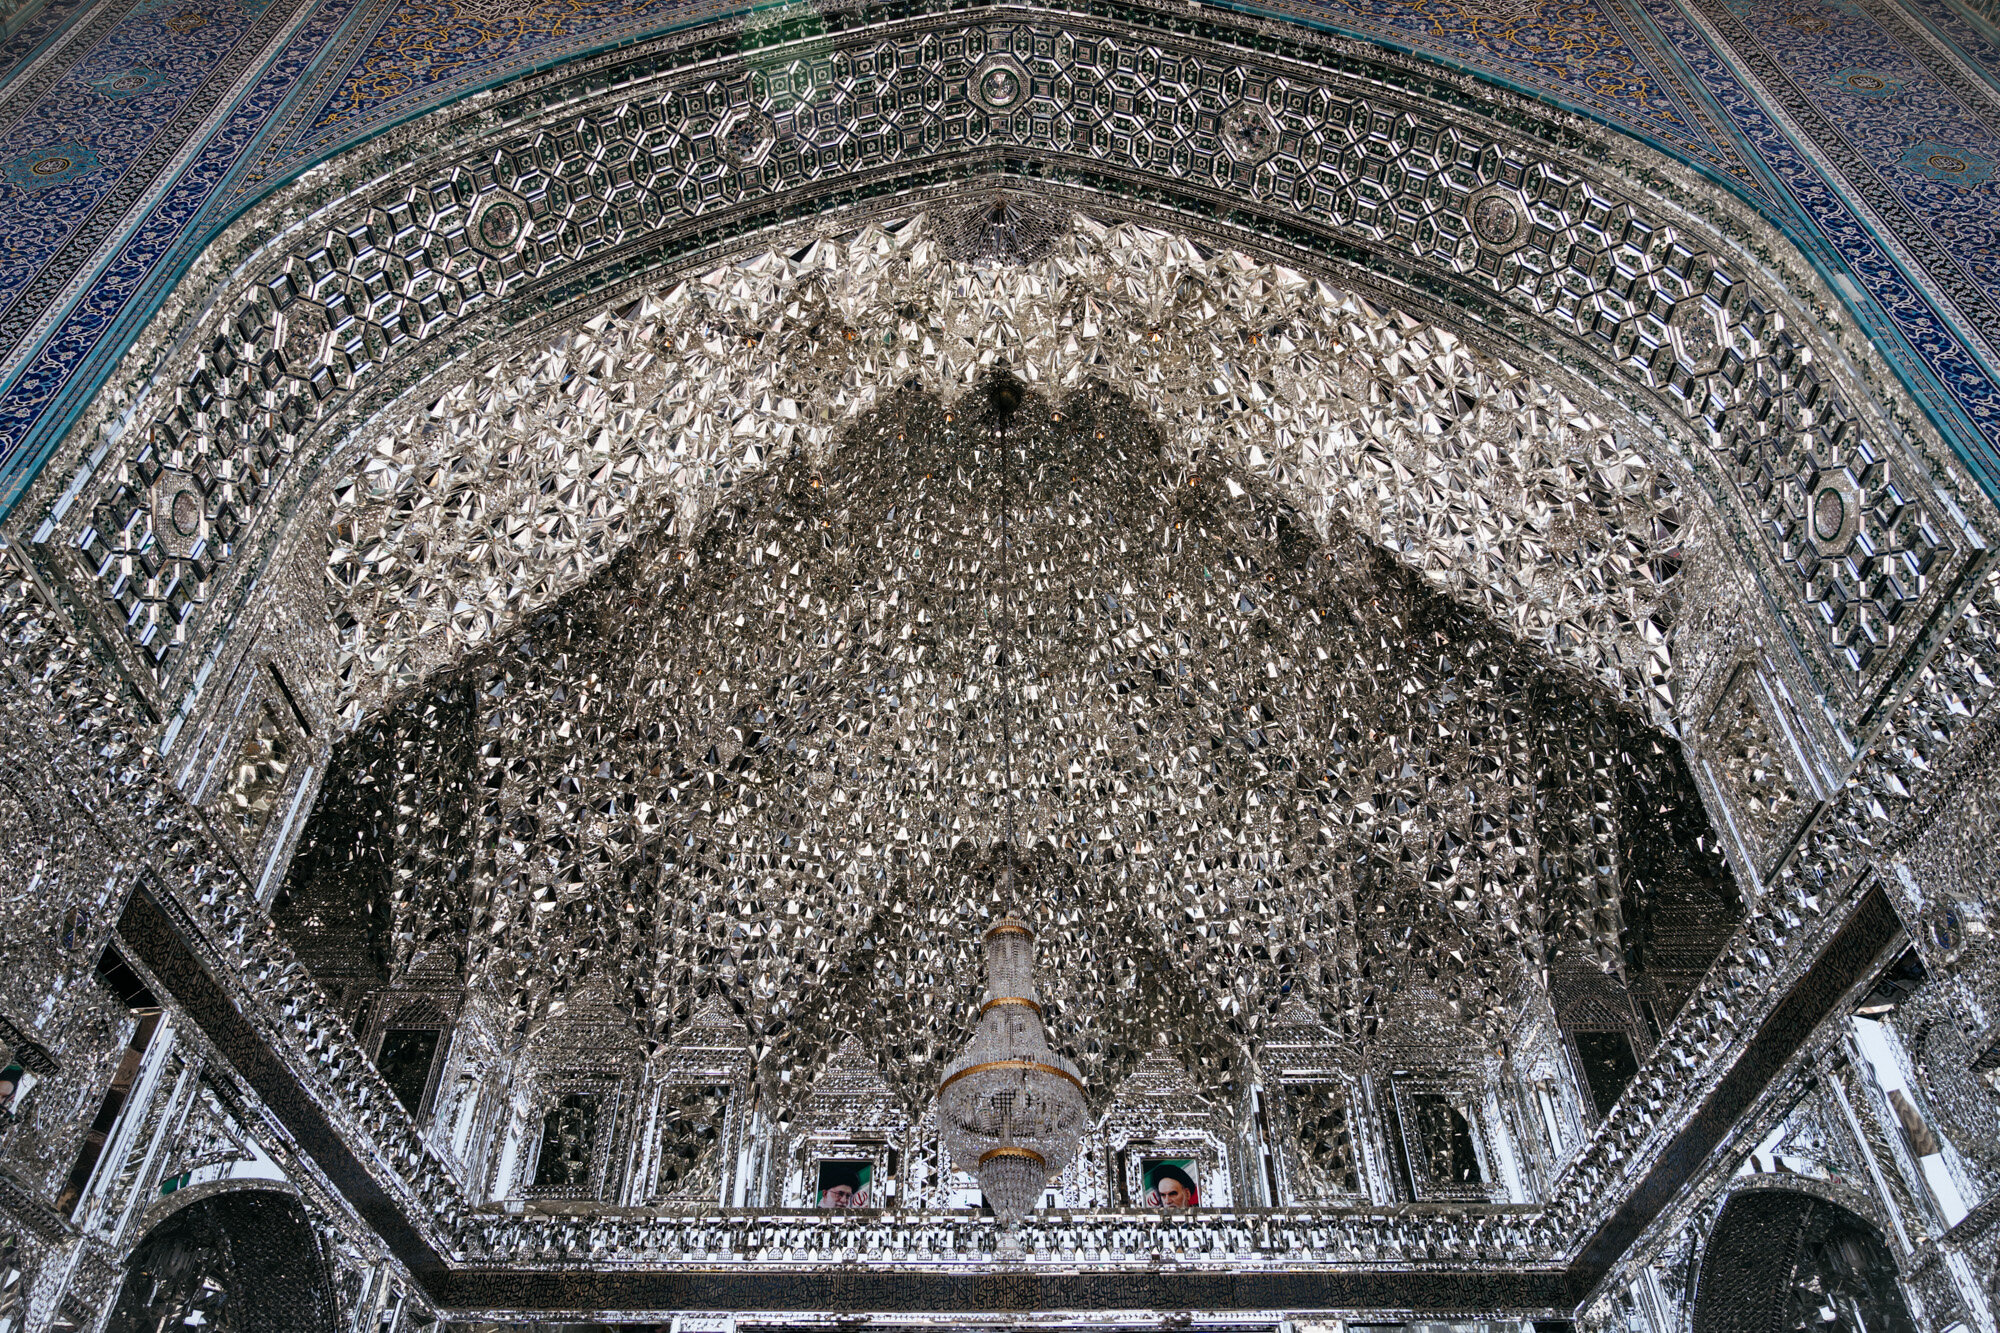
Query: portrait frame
x,y
838,1154
608,1126
1170,1183
1320,1102
853,1174
1207,1153
1461,1095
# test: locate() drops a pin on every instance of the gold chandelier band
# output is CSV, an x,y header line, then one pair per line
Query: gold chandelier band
x,y
1012,999
1008,928
1011,1064
1014,1150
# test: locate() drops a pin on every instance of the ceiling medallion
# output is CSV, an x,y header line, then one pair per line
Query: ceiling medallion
x,y
300,339
1011,1109
1000,83
1699,327
499,224
746,139
1499,218
179,513
1249,133
1835,514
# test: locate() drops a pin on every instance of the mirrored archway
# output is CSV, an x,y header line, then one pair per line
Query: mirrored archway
x,y
243,1262
1781,1260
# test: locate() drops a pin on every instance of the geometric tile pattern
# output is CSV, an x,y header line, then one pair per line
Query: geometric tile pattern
x,y
1834,144
1585,52
117,117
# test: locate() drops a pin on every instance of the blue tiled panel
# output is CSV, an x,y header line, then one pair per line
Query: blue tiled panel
x,y
408,55
421,48
1943,369
134,262
1912,125
1590,56
1975,41
34,30
64,155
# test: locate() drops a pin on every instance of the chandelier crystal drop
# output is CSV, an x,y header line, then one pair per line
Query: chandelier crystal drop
x,y
1011,1109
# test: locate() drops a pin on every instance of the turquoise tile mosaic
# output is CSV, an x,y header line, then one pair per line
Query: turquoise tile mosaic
x,y
408,55
118,106
32,30
1920,137
1912,248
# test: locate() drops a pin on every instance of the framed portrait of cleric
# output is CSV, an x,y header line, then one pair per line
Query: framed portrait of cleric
x,y
1170,1182
845,1183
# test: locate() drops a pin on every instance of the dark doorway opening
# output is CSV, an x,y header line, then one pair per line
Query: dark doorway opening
x,y
1608,1065
1780,1260
243,1262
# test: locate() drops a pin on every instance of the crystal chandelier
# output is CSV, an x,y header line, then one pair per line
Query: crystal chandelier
x,y
1011,1109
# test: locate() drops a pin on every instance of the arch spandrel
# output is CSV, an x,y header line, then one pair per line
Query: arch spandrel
x,y
1483,214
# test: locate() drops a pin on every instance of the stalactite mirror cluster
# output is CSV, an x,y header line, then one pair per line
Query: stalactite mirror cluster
x,y
761,758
